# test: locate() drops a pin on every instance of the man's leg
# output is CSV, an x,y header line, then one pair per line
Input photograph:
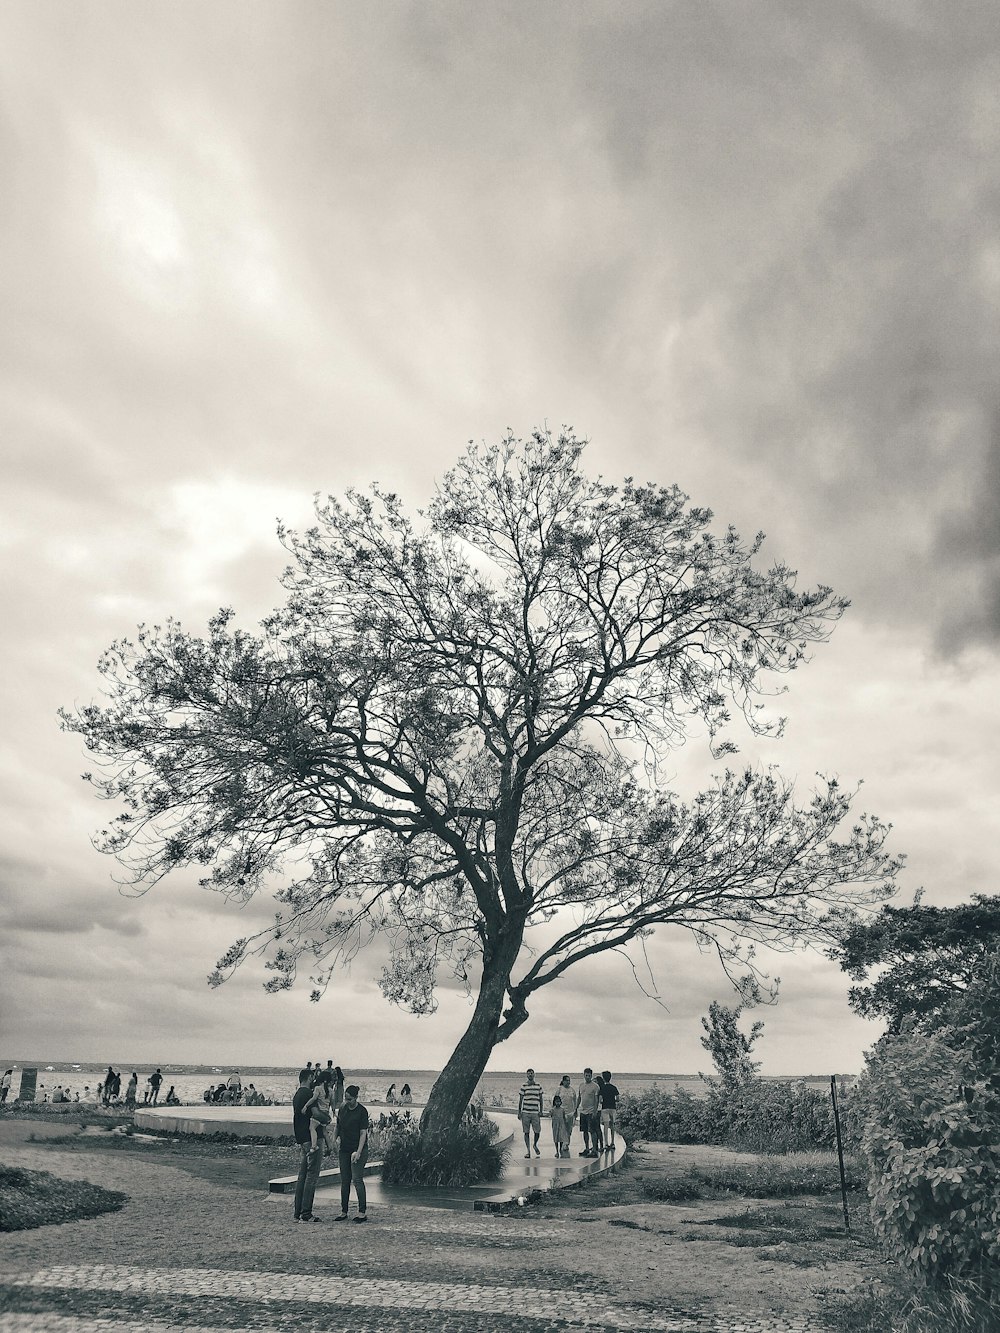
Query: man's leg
x,y
313,1159
300,1182
358,1176
345,1182
526,1126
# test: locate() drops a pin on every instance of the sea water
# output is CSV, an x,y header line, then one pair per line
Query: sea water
x,y
278,1083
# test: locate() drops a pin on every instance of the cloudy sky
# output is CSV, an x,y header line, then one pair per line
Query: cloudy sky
x,y
252,252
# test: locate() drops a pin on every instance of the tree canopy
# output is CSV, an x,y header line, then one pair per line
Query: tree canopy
x,y
452,733
925,957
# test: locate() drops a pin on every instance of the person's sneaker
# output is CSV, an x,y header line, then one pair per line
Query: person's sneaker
x,y
361,1217
341,1218
527,1156
311,1218
584,1153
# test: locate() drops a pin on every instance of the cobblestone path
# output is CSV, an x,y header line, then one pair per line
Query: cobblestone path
x,y
300,1299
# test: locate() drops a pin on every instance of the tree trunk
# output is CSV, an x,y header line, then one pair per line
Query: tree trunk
x,y
455,1085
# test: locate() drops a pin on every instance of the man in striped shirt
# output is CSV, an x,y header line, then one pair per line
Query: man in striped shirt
x,y
529,1108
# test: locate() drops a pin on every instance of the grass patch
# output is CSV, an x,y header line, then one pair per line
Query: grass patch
x,y
37,1198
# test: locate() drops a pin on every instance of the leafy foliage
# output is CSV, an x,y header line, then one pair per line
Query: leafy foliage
x,y
729,1047
930,956
470,1155
931,1130
761,1116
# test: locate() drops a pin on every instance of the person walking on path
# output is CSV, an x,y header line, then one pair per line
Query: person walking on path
x,y
529,1110
570,1104
609,1105
590,1113
309,1157
352,1151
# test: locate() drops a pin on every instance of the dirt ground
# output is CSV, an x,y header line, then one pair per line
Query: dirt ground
x,y
197,1204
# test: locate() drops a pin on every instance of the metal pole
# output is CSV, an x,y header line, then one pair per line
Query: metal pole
x,y
840,1151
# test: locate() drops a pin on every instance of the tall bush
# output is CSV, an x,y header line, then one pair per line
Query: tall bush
x,y
931,1144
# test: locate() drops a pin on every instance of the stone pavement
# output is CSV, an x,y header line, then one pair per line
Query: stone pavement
x,y
327,1301
187,1254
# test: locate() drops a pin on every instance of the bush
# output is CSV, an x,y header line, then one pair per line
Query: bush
x,y
756,1116
469,1156
934,1175
665,1117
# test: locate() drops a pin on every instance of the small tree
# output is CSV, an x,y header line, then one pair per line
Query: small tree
x,y
729,1047
924,957
435,740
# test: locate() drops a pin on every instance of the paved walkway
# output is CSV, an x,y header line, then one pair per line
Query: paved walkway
x,y
185,1254
324,1302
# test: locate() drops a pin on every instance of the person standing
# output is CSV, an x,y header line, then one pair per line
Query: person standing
x,y
609,1105
132,1089
154,1086
529,1110
570,1105
309,1157
8,1074
590,1112
562,1121
352,1149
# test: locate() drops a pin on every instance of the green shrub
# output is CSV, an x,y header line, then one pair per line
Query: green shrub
x,y
467,1157
934,1174
665,1117
756,1116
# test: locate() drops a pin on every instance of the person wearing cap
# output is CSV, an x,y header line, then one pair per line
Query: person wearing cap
x,y
352,1149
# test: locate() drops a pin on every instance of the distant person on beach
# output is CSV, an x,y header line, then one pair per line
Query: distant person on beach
x,y
405,1095
8,1074
589,1106
390,1096
171,1098
562,1124
234,1086
609,1105
154,1086
132,1089
337,1091
310,1157
352,1149
108,1087
529,1110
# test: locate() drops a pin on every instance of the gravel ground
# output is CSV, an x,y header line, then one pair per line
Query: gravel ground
x,y
591,1260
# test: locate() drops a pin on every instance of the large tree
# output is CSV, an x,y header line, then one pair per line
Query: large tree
x,y
918,959
451,735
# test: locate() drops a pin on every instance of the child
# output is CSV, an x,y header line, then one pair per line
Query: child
x,y
562,1121
320,1115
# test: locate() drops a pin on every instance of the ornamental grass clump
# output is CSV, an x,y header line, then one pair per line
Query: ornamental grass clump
x,y
468,1156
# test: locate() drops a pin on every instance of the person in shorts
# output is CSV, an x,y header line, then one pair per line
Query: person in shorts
x,y
589,1107
529,1110
609,1105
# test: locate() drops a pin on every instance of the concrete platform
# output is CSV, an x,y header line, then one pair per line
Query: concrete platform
x,y
273,1122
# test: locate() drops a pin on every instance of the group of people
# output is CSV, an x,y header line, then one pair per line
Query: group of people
x,y
327,1117
110,1090
232,1092
594,1102
404,1098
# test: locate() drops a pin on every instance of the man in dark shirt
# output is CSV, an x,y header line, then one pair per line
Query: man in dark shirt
x,y
310,1157
609,1105
154,1082
352,1149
